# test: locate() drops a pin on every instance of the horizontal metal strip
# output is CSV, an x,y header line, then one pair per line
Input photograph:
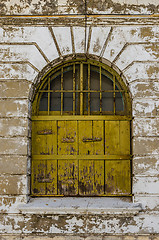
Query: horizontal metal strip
x,y
83,117
81,91
81,157
99,195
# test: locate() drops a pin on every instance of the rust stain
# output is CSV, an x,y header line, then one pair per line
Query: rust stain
x,y
146,32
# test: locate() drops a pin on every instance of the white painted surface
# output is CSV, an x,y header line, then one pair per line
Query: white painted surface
x,y
73,205
63,38
39,35
98,38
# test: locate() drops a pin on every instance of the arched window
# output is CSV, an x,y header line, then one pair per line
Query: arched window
x,y
81,132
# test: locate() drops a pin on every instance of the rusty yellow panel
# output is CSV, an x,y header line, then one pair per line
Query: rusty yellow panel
x,y
38,175
98,177
51,177
112,137
98,138
44,137
85,138
67,137
117,177
91,177
86,177
68,177
124,137
117,137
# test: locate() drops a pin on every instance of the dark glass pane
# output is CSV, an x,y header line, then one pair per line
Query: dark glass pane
x,y
119,104
85,76
94,78
55,102
95,102
107,84
55,84
77,76
68,78
43,106
68,102
85,101
107,102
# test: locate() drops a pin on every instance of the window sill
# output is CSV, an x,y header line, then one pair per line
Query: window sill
x,y
72,205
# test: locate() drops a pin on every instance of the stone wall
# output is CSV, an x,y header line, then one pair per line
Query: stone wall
x,y
31,44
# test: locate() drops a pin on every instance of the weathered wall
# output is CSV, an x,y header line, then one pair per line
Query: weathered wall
x,y
29,44
53,7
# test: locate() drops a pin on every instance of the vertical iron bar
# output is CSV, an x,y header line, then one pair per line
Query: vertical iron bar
x,y
74,89
81,88
114,91
61,91
100,77
89,95
48,107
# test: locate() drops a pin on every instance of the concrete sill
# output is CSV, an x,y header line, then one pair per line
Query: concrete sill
x,y
72,205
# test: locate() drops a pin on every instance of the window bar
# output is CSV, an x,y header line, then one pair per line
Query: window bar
x,y
100,76
74,89
89,95
48,110
61,91
81,88
114,91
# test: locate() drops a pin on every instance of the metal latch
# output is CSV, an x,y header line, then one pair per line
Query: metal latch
x,y
45,132
67,140
96,139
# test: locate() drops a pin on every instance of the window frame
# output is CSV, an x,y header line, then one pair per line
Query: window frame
x,y
127,101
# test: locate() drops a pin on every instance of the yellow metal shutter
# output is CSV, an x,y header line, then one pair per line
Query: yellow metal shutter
x,y
117,169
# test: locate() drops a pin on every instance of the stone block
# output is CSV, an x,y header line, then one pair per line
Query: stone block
x,y
16,145
150,203
74,238
17,70
145,185
129,238
146,89
14,89
10,237
62,2
13,164
63,38
146,165
13,184
79,39
39,35
23,52
136,52
121,36
141,70
145,127
145,107
98,38
112,238
9,204
43,238
92,238
14,127
13,108
144,237
156,237
145,145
